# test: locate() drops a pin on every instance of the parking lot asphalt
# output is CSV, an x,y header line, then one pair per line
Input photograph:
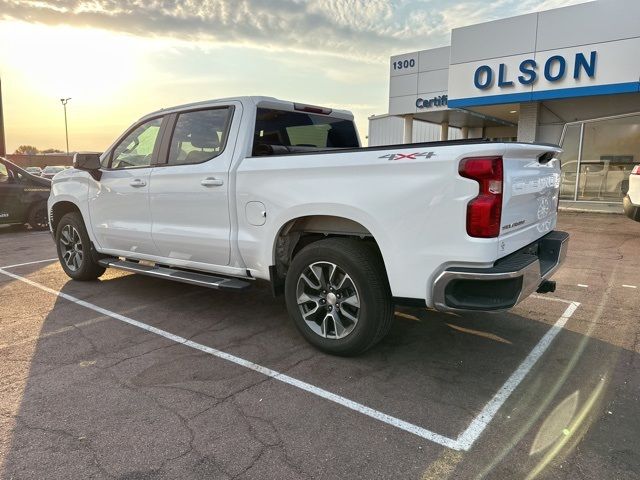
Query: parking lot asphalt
x,y
131,377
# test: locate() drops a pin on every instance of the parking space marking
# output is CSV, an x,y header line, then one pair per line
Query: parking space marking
x,y
467,438
583,286
388,419
463,442
629,286
30,263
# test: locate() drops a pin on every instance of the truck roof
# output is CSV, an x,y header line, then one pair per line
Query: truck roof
x,y
253,100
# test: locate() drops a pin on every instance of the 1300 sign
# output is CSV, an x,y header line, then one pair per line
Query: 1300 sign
x,y
400,64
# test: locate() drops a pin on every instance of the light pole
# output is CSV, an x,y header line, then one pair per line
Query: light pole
x,y
66,130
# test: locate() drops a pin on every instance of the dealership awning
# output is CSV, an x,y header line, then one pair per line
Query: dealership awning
x,y
459,118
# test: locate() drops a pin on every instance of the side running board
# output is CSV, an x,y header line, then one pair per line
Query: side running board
x,y
184,276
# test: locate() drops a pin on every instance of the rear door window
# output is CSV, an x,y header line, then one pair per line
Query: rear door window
x,y
199,136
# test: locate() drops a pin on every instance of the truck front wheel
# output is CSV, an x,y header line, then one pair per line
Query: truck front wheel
x,y
338,295
74,249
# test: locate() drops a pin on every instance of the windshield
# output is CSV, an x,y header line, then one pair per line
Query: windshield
x,y
6,165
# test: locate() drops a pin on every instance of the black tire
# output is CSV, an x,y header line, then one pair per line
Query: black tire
x,y
38,218
86,267
362,263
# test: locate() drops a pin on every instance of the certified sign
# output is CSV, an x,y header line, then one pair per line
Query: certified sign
x,y
439,101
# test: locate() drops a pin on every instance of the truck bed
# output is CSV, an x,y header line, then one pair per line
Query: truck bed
x,y
277,150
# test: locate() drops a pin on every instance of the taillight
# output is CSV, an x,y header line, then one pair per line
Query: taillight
x,y
636,170
485,211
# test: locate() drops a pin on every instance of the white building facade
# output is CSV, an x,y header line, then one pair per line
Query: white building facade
x,y
569,76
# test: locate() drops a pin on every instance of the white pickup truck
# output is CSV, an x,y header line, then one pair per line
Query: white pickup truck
x,y
224,192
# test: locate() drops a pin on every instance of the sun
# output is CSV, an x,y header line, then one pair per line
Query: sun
x,y
107,75
64,61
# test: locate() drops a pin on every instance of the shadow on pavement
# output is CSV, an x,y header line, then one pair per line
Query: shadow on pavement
x,y
96,398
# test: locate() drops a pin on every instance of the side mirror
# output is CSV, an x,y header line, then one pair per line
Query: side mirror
x,y
89,162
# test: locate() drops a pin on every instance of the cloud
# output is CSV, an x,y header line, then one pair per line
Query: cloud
x,y
365,30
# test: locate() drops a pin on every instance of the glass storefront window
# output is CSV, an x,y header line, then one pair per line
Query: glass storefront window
x,y
569,158
610,150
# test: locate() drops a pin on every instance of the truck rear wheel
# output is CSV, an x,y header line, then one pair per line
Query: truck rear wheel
x,y
338,295
74,249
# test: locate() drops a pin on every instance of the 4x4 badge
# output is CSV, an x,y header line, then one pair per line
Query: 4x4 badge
x,y
408,156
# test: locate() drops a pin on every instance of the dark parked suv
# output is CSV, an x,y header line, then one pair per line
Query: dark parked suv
x,y
23,197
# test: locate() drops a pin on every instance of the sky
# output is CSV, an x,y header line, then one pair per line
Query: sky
x,y
119,60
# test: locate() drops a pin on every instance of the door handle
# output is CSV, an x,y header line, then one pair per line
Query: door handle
x,y
211,182
137,183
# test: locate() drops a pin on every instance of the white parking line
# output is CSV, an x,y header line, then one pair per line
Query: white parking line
x,y
396,422
467,438
30,263
583,286
629,286
463,442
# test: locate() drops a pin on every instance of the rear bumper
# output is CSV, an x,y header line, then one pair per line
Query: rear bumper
x,y
630,209
510,280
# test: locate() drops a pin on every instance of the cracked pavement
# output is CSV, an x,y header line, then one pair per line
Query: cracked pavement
x,y
85,396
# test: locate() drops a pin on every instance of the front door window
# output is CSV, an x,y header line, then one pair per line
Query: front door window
x,y
136,149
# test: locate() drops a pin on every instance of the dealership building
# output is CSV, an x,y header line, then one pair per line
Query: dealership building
x,y
569,76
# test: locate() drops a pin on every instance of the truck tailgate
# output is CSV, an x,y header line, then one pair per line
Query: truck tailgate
x,y
530,195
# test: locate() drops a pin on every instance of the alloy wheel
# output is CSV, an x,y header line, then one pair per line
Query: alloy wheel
x,y
328,300
71,247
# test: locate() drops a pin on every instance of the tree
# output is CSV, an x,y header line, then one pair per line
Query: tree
x,y
26,150
31,150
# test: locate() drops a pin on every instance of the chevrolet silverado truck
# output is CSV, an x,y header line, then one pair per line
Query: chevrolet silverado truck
x,y
222,193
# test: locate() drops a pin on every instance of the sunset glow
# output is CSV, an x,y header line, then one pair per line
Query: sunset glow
x,y
119,61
